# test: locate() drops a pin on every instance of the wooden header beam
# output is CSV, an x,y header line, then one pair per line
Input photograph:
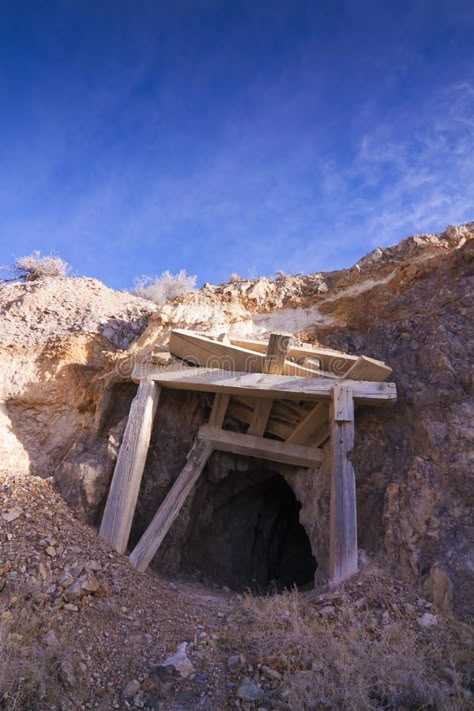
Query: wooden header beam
x,y
260,447
263,385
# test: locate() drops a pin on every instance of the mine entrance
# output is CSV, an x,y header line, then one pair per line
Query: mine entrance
x,y
246,534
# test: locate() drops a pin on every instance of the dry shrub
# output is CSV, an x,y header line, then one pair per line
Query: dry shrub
x,y
32,666
352,663
165,287
35,266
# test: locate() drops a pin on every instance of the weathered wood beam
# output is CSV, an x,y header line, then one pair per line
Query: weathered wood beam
x,y
305,431
273,363
368,369
206,352
326,356
123,494
261,415
275,357
244,413
151,540
341,364
261,448
343,511
219,409
262,385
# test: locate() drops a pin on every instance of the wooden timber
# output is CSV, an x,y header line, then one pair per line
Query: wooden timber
x,y
343,512
260,447
306,431
244,413
206,352
219,409
368,369
262,385
334,362
274,364
151,540
123,494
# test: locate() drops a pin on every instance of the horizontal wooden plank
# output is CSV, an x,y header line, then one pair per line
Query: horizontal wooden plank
x,y
260,448
209,353
335,362
325,355
262,385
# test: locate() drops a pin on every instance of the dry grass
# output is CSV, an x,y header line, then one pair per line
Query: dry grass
x,y
35,266
351,661
165,287
34,665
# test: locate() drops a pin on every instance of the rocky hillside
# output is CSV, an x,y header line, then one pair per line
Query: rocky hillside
x,y
67,346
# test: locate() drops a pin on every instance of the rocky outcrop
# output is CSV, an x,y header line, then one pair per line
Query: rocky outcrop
x,y
66,396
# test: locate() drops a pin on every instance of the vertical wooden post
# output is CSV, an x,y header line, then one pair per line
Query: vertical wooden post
x,y
343,515
273,363
151,540
123,494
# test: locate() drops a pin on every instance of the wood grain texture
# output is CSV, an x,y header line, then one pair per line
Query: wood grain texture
x,y
151,540
343,510
368,369
261,448
244,413
123,494
263,385
273,363
219,409
305,432
209,353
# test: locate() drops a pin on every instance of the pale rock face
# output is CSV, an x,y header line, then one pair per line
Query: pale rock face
x,y
65,395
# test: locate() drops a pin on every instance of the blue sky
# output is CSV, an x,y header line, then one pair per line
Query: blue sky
x,y
222,136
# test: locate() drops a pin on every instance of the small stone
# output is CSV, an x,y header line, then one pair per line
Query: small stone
x,y
66,580
12,515
70,608
50,640
90,584
235,663
386,618
67,673
270,674
132,688
327,610
249,691
180,662
51,551
427,620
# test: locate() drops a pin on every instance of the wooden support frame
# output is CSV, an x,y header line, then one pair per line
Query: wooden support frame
x,y
343,510
262,385
260,447
151,540
269,401
122,499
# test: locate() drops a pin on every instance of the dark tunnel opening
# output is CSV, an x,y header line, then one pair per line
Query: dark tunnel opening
x,y
245,533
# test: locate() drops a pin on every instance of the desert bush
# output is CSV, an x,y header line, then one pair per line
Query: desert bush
x,y
35,266
165,287
234,277
349,662
31,657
